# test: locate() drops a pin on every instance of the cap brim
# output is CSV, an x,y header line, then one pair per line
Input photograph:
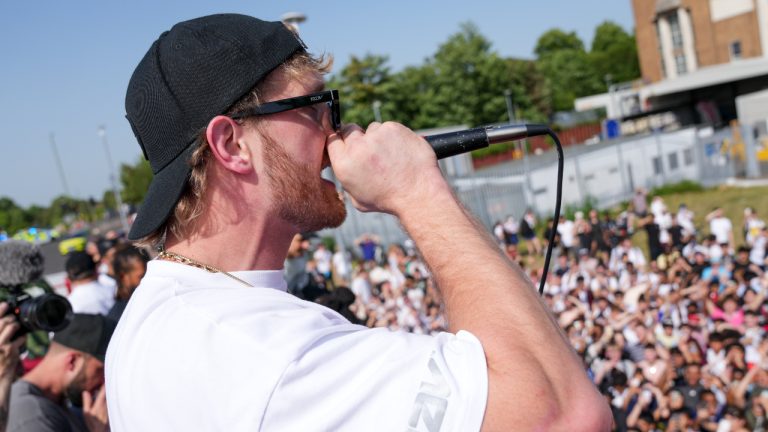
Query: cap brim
x,y
163,194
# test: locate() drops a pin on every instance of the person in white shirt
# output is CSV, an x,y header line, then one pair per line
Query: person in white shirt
x,y
210,339
685,220
361,286
752,226
323,257
88,296
567,233
721,227
342,267
658,207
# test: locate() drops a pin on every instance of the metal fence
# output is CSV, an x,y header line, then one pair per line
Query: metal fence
x,y
606,173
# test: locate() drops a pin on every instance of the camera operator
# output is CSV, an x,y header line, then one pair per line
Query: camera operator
x,y
9,359
69,379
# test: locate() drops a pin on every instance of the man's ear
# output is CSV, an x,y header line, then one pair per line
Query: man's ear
x,y
224,137
72,359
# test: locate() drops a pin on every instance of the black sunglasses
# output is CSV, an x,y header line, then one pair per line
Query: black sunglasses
x,y
328,97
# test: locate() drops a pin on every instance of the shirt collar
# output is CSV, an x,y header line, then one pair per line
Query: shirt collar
x,y
196,276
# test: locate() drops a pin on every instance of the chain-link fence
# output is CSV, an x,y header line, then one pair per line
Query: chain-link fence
x,y
606,173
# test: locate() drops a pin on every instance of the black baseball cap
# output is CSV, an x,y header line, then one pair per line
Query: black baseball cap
x,y
87,333
192,73
79,265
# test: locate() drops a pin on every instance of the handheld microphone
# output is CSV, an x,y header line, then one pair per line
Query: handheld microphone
x,y
453,143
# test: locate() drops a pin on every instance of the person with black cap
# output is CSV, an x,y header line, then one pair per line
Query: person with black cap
x,y
232,114
65,391
88,295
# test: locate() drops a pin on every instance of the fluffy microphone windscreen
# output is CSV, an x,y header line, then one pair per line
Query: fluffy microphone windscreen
x,y
20,263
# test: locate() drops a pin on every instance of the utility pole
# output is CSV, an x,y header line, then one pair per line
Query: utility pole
x,y
113,179
59,165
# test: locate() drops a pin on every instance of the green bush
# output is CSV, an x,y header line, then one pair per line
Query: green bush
x,y
569,211
675,188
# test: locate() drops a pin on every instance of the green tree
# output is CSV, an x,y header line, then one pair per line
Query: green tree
x,y
569,75
567,69
470,80
40,216
108,200
361,82
410,98
12,217
614,53
530,96
556,40
65,209
135,180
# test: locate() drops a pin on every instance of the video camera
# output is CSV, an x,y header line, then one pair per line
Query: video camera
x,y
21,264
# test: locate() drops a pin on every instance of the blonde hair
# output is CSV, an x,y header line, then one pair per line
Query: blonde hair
x,y
190,206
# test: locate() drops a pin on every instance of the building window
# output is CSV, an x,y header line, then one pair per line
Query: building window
x,y
674,27
688,156
735,49
680,64
672,158
656,165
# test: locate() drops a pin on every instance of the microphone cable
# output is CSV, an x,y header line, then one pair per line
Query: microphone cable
x,y
454,143
544,130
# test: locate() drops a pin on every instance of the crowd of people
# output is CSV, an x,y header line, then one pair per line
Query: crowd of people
x,y
674,338
55,382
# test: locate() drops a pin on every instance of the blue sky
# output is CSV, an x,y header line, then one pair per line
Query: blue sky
x,y
65,65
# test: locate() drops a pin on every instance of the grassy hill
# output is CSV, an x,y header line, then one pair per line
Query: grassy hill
x,y
733,200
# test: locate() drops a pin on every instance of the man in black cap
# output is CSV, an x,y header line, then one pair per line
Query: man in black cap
x,y
232,114
87,295
69,378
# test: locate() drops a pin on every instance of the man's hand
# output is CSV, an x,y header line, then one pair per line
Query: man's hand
x,y
387,168
95,410
9,349
9,359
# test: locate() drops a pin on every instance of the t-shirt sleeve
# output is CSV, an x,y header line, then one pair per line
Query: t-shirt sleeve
x,y
379,380
29,416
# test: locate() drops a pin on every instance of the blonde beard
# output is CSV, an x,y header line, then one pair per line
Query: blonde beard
x,y
303,198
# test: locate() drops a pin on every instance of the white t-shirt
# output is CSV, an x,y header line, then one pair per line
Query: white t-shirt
x,y
721,228
565,229
323,259
92,298
361,287
341,264
198,351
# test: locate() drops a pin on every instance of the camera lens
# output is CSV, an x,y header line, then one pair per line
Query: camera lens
x,y
49,312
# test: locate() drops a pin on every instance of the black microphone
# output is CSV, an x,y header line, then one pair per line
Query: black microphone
x,y
453,143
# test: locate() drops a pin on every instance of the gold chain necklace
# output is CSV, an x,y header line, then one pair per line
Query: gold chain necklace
x,y
172,256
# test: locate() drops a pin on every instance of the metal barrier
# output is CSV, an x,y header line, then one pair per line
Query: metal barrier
x,y
606,173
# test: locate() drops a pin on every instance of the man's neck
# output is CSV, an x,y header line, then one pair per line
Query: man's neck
x,y
41,377
244,246
79,282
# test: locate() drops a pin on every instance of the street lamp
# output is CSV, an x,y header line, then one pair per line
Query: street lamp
x,y
377,110
113,179
293,19
510,107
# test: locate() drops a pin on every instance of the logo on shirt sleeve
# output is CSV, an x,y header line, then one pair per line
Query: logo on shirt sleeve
x,y
431,401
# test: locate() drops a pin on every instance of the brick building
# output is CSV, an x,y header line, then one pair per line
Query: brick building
x,y
678,37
